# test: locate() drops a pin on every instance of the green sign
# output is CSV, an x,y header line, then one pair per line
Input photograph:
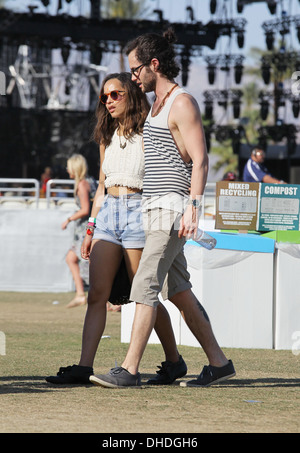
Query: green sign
x,y
278,207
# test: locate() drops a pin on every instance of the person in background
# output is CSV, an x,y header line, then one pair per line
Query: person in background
x,y
256,171
84,191
45,177
229,176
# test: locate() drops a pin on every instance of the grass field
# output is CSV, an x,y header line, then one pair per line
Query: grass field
x,y
41,336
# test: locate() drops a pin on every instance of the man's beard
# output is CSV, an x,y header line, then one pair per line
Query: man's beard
x,y
149,86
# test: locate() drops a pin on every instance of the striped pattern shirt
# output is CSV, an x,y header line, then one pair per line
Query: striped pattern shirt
x,y
165,170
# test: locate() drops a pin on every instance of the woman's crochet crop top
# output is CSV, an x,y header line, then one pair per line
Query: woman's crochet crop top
x,y
124,167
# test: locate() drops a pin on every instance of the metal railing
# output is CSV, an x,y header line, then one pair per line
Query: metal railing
x,y
17,189
25,192
58,191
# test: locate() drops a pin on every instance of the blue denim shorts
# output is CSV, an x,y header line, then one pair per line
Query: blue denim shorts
x,y
120,221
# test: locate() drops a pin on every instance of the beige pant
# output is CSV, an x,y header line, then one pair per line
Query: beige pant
x,y
163,266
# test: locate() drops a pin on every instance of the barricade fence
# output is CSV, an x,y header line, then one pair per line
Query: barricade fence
x,y
26,193
19,189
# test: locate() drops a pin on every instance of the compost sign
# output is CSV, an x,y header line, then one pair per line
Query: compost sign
x,y
278,207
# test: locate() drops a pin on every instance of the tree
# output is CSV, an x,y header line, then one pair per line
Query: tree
x,y
124,9
227,158
251,114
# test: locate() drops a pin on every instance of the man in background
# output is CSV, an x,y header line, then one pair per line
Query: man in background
x,y
256,171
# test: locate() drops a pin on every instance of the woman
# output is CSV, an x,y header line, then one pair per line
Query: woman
x,y
118,232
84,191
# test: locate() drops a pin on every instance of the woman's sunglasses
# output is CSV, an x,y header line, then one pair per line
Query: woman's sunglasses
x,y
115,95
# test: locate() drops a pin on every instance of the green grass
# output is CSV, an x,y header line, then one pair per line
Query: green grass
x,y
41,337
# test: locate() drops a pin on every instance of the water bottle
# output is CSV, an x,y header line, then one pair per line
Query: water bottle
x,y
205,240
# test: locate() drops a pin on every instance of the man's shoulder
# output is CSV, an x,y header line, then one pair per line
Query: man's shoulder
x,y
185,105
255,164
183,96
251,163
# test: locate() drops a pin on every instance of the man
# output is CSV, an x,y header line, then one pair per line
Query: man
x,y
256,171
176,166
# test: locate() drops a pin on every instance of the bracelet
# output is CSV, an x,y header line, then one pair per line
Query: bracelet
x,y
92,220
90,231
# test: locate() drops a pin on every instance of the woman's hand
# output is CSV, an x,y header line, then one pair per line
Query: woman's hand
x,y
86,247
65,224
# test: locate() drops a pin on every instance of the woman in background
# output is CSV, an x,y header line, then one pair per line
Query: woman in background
x,y
84,191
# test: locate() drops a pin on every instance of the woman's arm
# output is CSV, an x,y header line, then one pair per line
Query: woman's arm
x,y
83,192
99,195
98,200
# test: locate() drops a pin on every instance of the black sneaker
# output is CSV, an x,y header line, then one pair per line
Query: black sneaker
x,y
116,378
74,374
168,372
211,375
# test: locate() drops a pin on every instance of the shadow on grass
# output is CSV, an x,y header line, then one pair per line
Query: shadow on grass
x,y
37,384
242,383
257,383
30,384
261,382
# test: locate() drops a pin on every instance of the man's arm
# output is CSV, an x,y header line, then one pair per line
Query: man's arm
x,y
186,118
270,180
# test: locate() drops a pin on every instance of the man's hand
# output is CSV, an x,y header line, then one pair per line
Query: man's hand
x,y
189,222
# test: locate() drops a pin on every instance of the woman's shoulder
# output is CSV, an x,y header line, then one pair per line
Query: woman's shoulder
x,y
83,184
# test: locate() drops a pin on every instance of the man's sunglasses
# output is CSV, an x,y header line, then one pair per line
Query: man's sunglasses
x,y
115,95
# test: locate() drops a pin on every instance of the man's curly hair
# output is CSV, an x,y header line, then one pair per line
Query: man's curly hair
x,y
152,45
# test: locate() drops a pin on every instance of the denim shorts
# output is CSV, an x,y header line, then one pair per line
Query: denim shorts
x,y
120,221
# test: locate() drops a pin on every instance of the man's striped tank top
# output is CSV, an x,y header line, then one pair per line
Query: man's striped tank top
x,y
165,170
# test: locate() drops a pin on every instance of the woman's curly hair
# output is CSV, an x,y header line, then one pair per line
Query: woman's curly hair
x,y
136,111
152,45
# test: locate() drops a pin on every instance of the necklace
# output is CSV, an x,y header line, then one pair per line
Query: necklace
x,y
164,100
122,145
